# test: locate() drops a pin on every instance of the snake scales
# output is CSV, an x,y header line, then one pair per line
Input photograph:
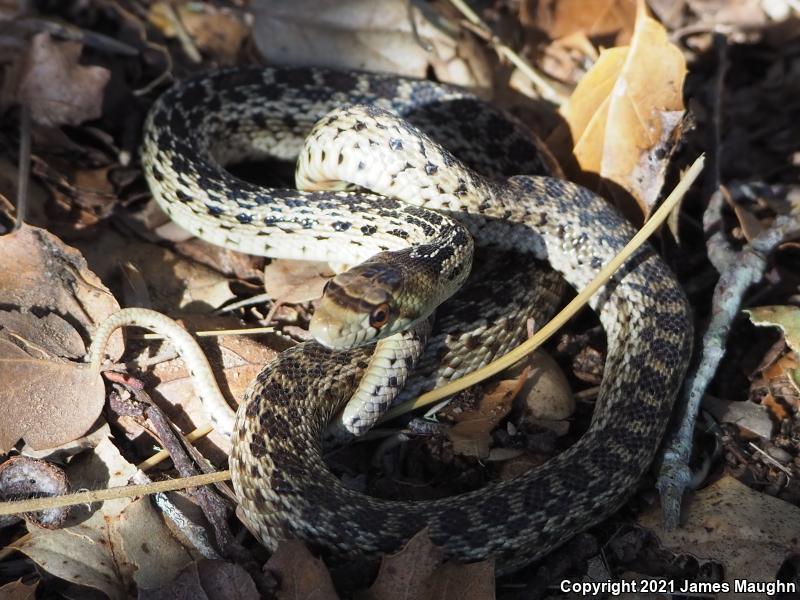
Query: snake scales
x,y
278,473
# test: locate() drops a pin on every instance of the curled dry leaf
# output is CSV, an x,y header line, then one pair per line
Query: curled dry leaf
x,y
170,279
622,116
787,319
750,533
22,477
301,575
110,546
367,35
51,82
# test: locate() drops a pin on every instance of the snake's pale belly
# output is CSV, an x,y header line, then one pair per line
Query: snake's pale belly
x,y
280,478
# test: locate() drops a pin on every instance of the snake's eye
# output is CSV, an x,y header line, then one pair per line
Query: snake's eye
x,y
379,316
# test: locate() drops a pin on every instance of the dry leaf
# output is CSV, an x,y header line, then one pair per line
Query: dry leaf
x,y
52,83
406,574
292,281
38,271
119,544
301,575
365,35
45,401
474,581
472,432
50,332
750,533
623,114
217,31
236,361
172,281
787,318
594,18
16,590
208,580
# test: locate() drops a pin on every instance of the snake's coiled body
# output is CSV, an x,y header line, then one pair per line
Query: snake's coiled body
x,y
280,478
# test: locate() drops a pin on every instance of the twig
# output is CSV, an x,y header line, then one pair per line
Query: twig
x,y
24,170
16,507
562,317
747,269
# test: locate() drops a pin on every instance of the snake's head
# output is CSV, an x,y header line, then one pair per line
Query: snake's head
x,y
359,306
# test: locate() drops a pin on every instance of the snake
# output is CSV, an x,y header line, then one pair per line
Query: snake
x,y
380,193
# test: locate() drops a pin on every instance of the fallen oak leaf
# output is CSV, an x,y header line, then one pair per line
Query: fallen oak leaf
x,y
23,477
593,18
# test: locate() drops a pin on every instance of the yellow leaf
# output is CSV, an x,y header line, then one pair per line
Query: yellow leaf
x,y
623,114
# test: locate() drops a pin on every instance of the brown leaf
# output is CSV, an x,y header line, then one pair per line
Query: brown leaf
x,y
38,271
44,401
750,533
474,581
50,332
302,576
52,83
16,590
292,281
208,580
406,574
236,360
472,432
623,114
216,31
171,280
115,545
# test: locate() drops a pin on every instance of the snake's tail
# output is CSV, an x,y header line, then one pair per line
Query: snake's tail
x,y
220,413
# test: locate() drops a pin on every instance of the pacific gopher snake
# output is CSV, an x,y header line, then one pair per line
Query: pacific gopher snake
x,y
277,469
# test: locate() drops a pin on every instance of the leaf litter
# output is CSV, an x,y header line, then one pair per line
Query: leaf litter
x,y
623,88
